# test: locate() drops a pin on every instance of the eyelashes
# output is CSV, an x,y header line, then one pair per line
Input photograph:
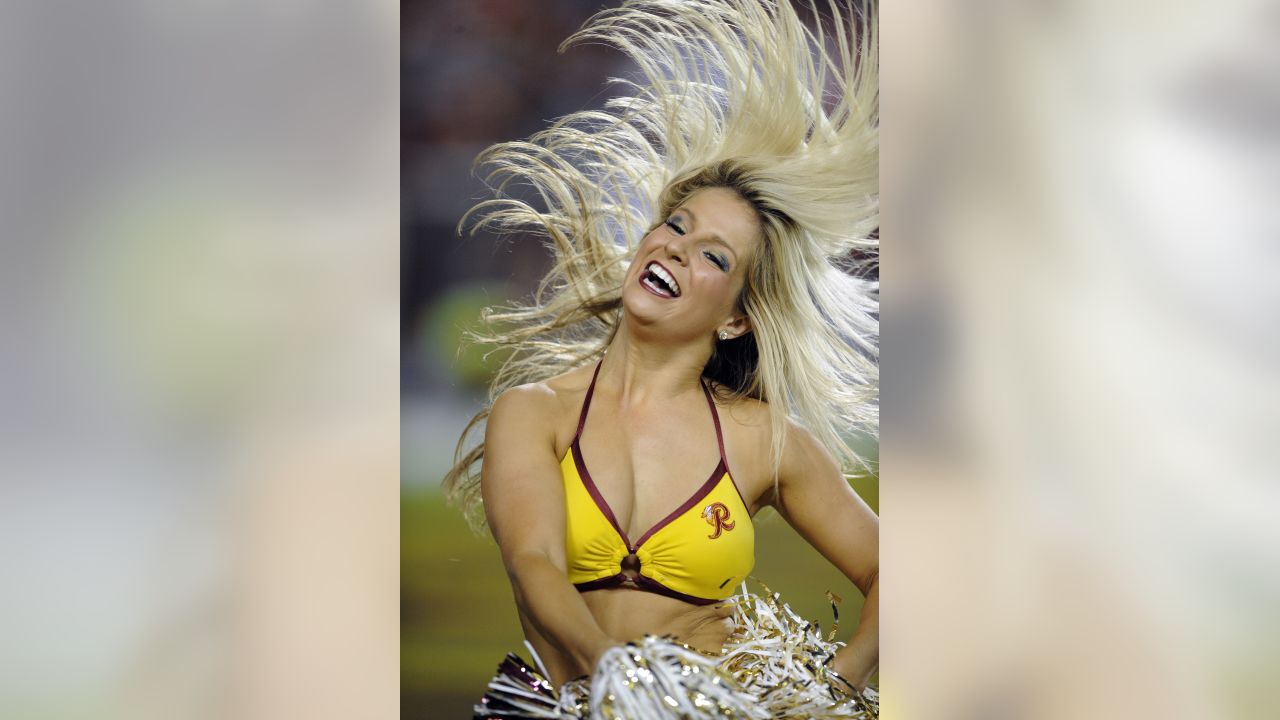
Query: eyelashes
x,y
715,258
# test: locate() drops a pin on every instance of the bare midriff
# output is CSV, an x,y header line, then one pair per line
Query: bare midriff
x,y
627,614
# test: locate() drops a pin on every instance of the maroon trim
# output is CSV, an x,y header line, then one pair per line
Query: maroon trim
x,y
586,402
595,494
724,458
734,483
641,582
694,499
720,470
601,584
646,584
715,417
653,586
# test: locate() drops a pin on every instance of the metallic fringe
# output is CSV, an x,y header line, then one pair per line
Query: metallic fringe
x,y
774,665
784,661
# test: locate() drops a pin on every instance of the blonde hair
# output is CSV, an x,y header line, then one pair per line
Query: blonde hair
x,y
736,94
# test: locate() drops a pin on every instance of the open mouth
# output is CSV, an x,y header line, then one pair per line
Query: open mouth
x,y
657,280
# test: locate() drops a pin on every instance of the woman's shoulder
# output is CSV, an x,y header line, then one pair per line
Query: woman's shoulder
x,y
751,418
545,399
742,410
543,411
750,412
746,424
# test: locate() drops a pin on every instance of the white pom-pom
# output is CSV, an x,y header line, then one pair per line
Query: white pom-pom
x,y
657,678
783,660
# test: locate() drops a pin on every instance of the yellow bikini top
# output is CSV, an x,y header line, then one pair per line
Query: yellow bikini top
x,y
698,553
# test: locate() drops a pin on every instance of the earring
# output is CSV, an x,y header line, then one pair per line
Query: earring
x,y
724,334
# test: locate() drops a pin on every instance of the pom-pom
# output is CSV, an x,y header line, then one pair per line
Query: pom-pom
x,y
658,678
782,659
774,665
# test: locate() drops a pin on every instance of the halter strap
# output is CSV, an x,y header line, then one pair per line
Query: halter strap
x,y
591,389
586,402
715,416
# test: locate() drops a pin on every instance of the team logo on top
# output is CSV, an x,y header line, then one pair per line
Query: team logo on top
x,y
717,516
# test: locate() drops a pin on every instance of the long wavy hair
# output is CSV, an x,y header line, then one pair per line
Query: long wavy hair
x,y
737,94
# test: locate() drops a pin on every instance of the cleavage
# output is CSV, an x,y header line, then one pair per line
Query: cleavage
x,y
643,478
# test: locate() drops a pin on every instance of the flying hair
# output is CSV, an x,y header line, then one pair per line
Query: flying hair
x,y
738,94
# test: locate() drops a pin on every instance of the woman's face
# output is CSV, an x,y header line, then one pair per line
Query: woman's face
x,y
688,272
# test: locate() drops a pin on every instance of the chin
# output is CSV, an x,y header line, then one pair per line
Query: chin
x,y
637,305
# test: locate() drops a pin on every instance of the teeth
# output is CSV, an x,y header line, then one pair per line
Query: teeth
x,y
665,276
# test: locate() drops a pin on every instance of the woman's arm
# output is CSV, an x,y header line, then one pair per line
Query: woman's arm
x,y
524,503
817,501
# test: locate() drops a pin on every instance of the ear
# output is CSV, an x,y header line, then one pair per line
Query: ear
x,y
737,326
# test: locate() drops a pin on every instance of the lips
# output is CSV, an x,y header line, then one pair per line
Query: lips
x,y
659,281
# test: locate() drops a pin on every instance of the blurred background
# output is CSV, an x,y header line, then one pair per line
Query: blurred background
x,y
1080,358
476,73
201,480
199,402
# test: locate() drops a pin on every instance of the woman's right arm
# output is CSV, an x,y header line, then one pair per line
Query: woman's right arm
x,y
524,503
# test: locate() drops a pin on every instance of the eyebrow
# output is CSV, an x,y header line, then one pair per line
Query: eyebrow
x,y
694,217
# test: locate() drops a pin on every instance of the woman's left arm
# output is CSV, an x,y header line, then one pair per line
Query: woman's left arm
x,y
816,499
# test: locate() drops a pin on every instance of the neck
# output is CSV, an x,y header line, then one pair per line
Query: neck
x,y
643,370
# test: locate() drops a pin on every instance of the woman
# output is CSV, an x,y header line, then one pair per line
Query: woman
x,y
704,312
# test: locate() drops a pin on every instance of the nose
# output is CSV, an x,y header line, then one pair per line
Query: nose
x,y
677,248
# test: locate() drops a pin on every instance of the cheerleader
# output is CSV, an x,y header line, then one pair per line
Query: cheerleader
x,y
712,307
